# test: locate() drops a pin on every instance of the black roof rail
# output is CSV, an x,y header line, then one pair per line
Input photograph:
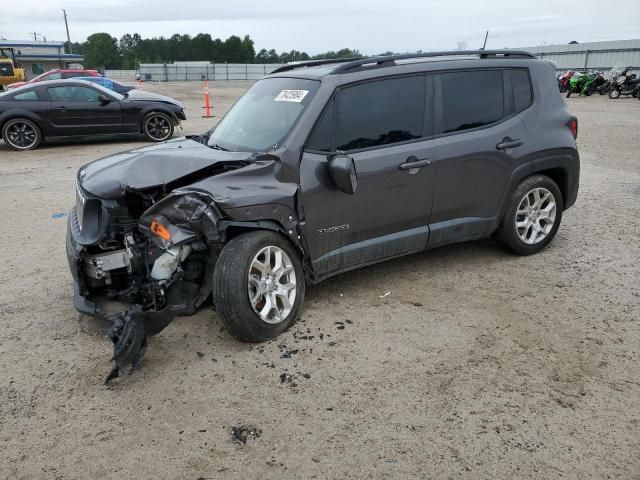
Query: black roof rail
x,y
314,63
389,60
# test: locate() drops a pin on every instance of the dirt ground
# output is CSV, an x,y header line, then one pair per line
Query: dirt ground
x,y
477,364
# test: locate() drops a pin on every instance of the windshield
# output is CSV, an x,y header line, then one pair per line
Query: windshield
x,y
263,117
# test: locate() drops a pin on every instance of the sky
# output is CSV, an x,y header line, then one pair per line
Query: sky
x,y
314,26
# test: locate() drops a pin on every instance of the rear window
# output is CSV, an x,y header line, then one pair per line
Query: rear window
x,y
471,99
28,95
521,83
380,113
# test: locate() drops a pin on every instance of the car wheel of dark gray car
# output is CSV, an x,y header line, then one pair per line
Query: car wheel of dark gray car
x,y
532,217
258,285
157,126
21,134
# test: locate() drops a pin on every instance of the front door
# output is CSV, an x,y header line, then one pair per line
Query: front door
x,y
76,110
381,125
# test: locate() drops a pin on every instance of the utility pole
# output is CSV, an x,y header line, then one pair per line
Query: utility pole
x,y
35,36
66,24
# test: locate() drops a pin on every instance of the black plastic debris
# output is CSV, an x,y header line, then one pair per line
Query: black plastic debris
x,y
286,377
129,343
285,352
200,354
242,433
306,375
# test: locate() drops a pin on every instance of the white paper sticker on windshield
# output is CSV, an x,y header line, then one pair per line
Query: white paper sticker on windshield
x,y
291,96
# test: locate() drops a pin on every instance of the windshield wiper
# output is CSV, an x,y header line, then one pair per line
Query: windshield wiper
x,y
215,146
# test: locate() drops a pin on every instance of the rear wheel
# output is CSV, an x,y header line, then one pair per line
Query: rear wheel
x,y
533,216
157,126
21,134
258,285
614,93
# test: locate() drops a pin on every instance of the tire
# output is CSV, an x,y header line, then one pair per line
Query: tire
x,y
568,93
21,134
614,93
508,234
157,126
563,89
232,286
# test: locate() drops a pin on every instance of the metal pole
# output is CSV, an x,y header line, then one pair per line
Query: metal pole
x,y
66,24
586,60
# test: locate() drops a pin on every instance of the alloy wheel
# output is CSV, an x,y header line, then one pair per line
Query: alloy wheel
x,y
535,216
21,135
158,127
272,284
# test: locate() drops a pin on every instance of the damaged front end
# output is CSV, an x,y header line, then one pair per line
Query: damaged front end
x,y
148,224
153,255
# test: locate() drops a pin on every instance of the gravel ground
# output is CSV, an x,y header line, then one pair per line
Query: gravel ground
x,y
478,364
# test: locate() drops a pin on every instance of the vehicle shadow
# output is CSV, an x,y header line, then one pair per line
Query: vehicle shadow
x,y
438,261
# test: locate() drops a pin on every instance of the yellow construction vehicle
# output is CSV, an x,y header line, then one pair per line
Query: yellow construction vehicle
x,y
10,71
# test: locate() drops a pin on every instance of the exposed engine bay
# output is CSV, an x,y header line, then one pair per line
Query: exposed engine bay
x,y
150,247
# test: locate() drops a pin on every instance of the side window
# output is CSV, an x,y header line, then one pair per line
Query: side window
x,y
380,113
73,94
31,95
322,137
521,83
53,76
471,99
37,68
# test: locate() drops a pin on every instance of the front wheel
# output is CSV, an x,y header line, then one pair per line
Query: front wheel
x,y
614,93
258,285
157,126
532,217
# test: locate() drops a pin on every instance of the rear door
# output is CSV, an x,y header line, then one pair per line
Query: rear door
x,y
77,110
479,138
381,125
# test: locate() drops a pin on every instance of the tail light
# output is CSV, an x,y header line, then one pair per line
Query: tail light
x,y
573,126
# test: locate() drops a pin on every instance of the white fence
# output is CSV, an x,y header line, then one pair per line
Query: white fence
x,y
120,74
171,72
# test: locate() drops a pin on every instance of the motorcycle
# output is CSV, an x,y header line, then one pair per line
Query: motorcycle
x,y
595,81
625,84
585,83
563,80
610,79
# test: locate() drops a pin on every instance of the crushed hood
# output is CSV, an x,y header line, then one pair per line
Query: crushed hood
x,y
154,166
135,95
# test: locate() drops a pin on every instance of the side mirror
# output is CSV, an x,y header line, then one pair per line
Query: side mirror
x,y
343,173
103,99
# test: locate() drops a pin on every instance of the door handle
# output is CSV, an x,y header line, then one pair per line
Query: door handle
x,y
508,143
62,109
414,162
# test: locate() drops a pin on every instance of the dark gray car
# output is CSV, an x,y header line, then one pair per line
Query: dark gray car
x,y
318,169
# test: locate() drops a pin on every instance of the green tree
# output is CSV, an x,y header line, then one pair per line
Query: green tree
x,y
101,51
74,47
249,51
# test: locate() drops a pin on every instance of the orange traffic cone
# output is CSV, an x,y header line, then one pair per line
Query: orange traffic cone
x,y
207,101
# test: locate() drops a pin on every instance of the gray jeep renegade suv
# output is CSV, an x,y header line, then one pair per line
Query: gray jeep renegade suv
x,y
319,168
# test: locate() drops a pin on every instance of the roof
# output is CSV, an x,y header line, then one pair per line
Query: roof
x,y
29,43
581,47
